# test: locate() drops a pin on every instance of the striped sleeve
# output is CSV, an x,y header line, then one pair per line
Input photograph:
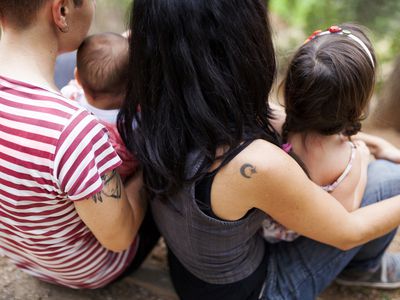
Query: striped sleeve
x,y
82,156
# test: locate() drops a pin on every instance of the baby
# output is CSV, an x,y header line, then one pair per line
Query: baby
x,y
100,85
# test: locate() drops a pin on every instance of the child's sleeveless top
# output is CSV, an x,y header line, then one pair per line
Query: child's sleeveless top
x,y
215,251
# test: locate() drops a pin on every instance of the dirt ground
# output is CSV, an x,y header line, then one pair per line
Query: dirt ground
x,y
16,285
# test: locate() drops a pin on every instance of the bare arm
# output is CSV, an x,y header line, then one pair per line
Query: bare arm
x,y
379,147
113,217
279,187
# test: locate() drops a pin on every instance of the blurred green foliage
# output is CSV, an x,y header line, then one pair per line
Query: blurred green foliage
x,y
382,17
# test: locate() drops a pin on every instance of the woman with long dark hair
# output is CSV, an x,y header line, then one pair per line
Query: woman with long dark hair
x,y
201,72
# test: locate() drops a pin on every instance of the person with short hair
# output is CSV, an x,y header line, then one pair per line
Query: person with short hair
x,y
66,217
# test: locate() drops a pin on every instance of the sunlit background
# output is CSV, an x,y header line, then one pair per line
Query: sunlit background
x,y
294,20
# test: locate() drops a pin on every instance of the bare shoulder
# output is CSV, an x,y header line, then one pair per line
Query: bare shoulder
x,y
263,156
255,173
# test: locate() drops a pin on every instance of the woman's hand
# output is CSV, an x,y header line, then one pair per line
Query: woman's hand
x,y
379,147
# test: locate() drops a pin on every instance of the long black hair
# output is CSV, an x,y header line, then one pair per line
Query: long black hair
x,y
200,73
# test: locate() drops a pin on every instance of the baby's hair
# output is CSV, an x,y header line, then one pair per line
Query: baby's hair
x,y
102,64
329,83
21,13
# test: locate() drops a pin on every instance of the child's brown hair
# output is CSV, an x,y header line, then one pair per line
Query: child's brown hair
x,y
329,83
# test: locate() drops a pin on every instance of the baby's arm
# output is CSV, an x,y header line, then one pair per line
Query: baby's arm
x,y
379,147
350,191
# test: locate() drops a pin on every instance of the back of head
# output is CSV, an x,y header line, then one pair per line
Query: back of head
x,y
201,72
102,64
21,13
329,84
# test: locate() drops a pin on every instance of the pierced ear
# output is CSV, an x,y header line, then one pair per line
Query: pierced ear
x,y
60,12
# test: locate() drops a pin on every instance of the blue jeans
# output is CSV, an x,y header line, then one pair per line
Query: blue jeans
x,y
302,269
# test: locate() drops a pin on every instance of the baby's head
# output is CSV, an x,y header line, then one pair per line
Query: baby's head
x,y
101,69
329,82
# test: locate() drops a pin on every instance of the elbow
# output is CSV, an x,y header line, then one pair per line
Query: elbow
x,y
345,246
351,240
117,246
118,242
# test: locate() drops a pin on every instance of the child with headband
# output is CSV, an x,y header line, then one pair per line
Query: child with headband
x,y
327,89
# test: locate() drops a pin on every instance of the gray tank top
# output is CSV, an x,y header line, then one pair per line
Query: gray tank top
x,y
215,251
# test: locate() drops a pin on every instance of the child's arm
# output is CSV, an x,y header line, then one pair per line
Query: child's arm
x,y
379,147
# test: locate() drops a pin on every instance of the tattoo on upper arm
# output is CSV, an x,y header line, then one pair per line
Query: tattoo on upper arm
x,y
247,170
112,187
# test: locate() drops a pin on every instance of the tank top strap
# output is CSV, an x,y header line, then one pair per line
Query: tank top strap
x,y
231,155
203,186
331,187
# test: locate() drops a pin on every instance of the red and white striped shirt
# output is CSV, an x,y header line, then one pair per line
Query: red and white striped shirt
x,y
52,152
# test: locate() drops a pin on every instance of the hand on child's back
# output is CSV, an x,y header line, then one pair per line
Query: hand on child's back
x,y
363,151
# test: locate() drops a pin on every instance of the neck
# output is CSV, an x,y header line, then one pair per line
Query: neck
x,y
105,101
29,55
312,140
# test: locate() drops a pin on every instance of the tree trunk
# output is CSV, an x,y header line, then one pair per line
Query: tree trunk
x,y
387,111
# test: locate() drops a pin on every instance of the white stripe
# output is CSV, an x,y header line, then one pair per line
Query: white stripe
x,y
51,250
51,133
48,206
104,272
25,157
48,94
86,161
69,213
33,114
28,183
11,202
27,142
71,142
25,193
21,169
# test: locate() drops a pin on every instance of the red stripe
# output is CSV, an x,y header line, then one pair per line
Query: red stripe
x,y
34,108
41,254
28,135
39,247
40,181
24,188
23,163
46,96
31,121
27,198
